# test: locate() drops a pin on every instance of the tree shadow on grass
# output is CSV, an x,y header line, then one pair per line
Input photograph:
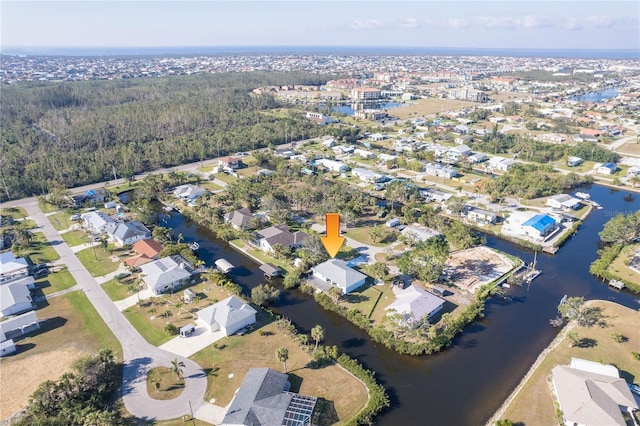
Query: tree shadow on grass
x,y
586,342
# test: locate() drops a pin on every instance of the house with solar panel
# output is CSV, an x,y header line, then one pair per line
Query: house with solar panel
x,y
264,399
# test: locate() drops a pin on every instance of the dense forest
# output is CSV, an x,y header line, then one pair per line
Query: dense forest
x,y
74,133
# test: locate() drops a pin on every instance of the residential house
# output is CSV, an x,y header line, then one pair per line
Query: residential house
x,y
128,233
538,226
338,273
264,399
633,171
414,304
188,192
481,215
590,393
607,169
433,169
147,247
92,196
574,161
231,163
98,222
376,137
240,219
15,298
477,158
499,163
458,152
228,315
328,143
166,274
332,165
267,238
12,268
367,175
363,153
18,325
7,347
564,202
464,139
418,232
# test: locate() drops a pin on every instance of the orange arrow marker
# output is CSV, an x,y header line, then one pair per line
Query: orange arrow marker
x,y
333,241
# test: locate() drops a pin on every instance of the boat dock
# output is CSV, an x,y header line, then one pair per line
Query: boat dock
x,y
618,285
224,266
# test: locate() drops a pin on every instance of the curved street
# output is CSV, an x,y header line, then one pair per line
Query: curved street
x,y
138,355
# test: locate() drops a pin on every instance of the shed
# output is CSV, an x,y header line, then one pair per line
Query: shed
x,y
224,266
270,270
188,296
7,347
392,223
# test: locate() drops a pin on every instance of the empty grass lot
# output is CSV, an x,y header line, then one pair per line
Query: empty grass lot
x,y
534,404
75,238
237,354
46,207
118,290
98,264
40,250
70,327
13,212
363,299
61,220
361,234
56,281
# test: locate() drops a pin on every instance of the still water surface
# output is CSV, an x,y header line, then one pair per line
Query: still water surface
x,y
467,383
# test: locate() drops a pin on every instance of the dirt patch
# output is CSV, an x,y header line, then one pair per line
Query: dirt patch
x,y
423,107
472,268
629,148
20,378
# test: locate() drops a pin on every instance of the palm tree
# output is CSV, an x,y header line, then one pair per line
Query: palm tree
x,y
155,381
282,355
317,334
176,368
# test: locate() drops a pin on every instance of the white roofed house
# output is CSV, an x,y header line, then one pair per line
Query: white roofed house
x,y
98,222
188,192
166,274
12,267
336,272
481,215
228,315
333,165
499,163
414,304
366,175
564,202
128,233
590,393
15,298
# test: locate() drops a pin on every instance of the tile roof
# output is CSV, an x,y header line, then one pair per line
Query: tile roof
x,y
149,247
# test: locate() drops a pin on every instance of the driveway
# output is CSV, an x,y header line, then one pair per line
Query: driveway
x,y
187,346
138,355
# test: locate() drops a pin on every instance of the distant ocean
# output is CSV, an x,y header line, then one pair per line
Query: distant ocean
x,y
320,50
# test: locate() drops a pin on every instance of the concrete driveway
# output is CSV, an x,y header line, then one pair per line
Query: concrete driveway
x,y
187,346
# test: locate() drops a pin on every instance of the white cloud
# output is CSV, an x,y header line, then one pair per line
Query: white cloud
x,y
536,22
451,23
409,23
600,21
504,22
366,24
571,24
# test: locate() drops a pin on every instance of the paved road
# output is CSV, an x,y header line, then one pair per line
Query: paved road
x,y
139,356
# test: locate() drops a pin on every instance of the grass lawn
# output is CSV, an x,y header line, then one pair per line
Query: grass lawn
x,y
40,250
98,264
235,355
169,386
70,328
621,270
118,290
363,299
56,281
361,234
206,169
534,404
14,212
61,220
584,167
211,186
268,259
75,238
249,171
46,207
140,316
225,177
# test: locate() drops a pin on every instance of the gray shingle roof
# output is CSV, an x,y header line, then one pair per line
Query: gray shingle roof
x,y
226,312
126,230
163,272
338,272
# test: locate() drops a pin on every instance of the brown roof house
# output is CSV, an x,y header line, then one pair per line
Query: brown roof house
x,y
590,393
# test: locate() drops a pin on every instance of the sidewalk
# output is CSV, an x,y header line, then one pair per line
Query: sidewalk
x,y
133,299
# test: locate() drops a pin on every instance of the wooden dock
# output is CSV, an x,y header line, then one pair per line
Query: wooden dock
x,y
619,285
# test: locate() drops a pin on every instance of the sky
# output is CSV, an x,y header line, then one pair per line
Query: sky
x,y
560,24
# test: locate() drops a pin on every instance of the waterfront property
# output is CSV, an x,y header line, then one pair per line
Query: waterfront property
x,y
472,268
166,274
127,233
228,315
414,304
264,399
12,267
564,202
336,272
240,219
267,238
591,393
98,222
188,192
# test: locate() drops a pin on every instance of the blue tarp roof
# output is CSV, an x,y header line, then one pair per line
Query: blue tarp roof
x,y
91,192
610,166
539,222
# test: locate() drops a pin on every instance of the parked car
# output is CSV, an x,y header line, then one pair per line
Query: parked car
x,y
75,216
40,273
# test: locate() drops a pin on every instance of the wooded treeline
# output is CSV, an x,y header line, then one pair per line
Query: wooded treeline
x,y
74,133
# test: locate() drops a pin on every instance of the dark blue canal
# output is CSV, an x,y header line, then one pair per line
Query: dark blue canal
x,y
467,383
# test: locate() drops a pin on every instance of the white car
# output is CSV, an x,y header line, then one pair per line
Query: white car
x,y
75,216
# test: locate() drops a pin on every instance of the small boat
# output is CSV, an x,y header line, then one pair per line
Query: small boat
x,y
194,246
583,195
505,285
168,208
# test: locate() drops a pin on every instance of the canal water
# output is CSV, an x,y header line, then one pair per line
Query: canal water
x,y
596,96
465,384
